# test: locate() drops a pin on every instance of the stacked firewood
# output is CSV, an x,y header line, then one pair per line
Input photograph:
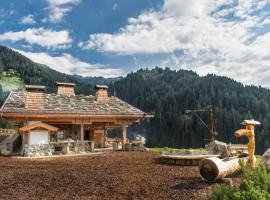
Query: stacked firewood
x,y
4,132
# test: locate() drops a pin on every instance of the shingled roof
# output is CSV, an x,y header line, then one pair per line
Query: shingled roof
x,y
79,104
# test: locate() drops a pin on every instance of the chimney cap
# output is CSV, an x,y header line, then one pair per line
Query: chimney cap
x,y
65,84
101,87
35,87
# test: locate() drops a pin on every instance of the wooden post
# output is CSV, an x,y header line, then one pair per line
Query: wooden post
x,y
23,143
211,117
49,138
124,136
82,132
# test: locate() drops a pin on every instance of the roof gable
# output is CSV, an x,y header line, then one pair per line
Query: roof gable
x,y
38,125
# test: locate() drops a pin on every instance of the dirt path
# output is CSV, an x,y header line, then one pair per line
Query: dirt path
x,y
113,175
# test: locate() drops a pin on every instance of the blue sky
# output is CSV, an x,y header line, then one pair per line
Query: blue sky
x,y
114,37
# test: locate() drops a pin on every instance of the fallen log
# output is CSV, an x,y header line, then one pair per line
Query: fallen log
x,y
213,168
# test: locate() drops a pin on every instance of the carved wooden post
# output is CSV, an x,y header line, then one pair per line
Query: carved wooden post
x,y
124,136
249,127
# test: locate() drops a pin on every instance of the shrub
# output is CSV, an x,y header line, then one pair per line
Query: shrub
x,y
255,185
223,192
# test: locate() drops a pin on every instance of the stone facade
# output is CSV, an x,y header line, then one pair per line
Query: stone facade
x,y
38,150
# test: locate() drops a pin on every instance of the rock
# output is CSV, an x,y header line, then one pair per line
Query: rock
x,y
266,158
3,147
4,150
217,147
36,154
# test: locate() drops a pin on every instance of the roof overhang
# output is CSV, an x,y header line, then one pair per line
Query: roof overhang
x,y
73,117
38,125
6,113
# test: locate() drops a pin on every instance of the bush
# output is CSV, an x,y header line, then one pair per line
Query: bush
x,y
255,185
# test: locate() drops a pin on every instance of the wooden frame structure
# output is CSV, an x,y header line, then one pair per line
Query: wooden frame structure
x,y
26,130
80,114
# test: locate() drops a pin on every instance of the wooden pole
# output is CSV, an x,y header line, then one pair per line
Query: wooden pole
x,y
213,168
124,136
211,117
82,132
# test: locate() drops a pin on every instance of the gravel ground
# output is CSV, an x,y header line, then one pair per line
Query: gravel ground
x,y
112,175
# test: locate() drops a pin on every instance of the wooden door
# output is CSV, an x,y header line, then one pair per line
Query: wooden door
x,y
99,138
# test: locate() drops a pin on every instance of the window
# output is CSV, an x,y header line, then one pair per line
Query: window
x,y
60,134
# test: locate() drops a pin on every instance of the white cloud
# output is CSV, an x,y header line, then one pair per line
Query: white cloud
x,y
58,9
115,6
28,19
11,12
40,36
68,64
218,36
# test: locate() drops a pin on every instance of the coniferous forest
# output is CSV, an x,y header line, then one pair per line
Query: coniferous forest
x,y
166,93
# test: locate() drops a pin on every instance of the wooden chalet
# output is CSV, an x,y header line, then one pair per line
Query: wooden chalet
x,y
41,117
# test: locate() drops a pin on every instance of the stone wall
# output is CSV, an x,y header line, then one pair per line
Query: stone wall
x,y
38,150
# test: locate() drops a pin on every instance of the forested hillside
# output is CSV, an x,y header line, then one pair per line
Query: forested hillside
x,y
34,73
168,93
9,81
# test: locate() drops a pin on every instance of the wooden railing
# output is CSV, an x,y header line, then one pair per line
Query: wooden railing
x,y
4,131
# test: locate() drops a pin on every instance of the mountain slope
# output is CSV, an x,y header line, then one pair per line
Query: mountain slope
x,y
168,93
34,73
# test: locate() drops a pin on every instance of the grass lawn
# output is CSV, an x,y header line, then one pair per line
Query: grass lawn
x,y
11,83
258,159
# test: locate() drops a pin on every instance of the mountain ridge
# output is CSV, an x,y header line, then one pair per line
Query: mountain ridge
x,y
35,73
167,93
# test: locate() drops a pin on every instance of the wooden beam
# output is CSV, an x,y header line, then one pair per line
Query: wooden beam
x,y
124,136
42,115
82,132
112,127
38,125
58,119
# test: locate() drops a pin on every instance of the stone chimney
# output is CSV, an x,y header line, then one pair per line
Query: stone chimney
x,y
66,89
101,92
34,98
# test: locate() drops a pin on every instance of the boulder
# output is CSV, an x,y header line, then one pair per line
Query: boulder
x,y
4,150
217,147
266,158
